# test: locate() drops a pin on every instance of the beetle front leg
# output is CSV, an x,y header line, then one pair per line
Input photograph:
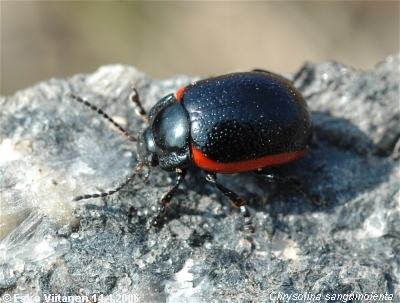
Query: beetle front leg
x,y
236,201
167,197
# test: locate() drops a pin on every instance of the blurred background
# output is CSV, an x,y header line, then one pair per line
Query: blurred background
x,y
45,39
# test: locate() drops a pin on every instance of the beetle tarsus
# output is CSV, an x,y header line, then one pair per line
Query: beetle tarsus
x,y
167,197
234,199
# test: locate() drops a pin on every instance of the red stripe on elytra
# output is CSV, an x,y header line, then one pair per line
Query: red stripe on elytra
x,y
205,163
179,94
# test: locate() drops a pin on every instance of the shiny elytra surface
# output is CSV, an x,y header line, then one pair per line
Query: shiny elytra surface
x,y
246,116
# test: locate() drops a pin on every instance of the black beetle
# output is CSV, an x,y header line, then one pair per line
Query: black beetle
x,y
238,122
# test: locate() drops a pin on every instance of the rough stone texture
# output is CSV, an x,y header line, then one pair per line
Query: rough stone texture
x,y
53,149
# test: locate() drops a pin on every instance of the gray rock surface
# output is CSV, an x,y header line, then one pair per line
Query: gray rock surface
x,y
53,149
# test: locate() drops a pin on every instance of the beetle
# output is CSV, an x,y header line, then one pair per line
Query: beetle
x,y
238,122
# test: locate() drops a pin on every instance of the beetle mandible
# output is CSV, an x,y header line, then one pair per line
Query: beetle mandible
x,y
239,122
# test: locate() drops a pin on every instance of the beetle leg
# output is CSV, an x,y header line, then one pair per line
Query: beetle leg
x,y
167,197
236,201
146,176
134,97
294,183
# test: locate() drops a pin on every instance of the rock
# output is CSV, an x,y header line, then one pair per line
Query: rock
x,y
53,149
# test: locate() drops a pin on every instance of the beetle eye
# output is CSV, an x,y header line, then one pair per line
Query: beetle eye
x,y
146,147
154,160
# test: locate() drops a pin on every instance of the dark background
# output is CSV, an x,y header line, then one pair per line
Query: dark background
x,y
45,39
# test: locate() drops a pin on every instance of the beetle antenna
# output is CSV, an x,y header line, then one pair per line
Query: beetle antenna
x,y
109,193
100,112
134,97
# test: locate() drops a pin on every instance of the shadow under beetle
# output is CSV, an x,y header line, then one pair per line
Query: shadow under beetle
x,y
234,123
